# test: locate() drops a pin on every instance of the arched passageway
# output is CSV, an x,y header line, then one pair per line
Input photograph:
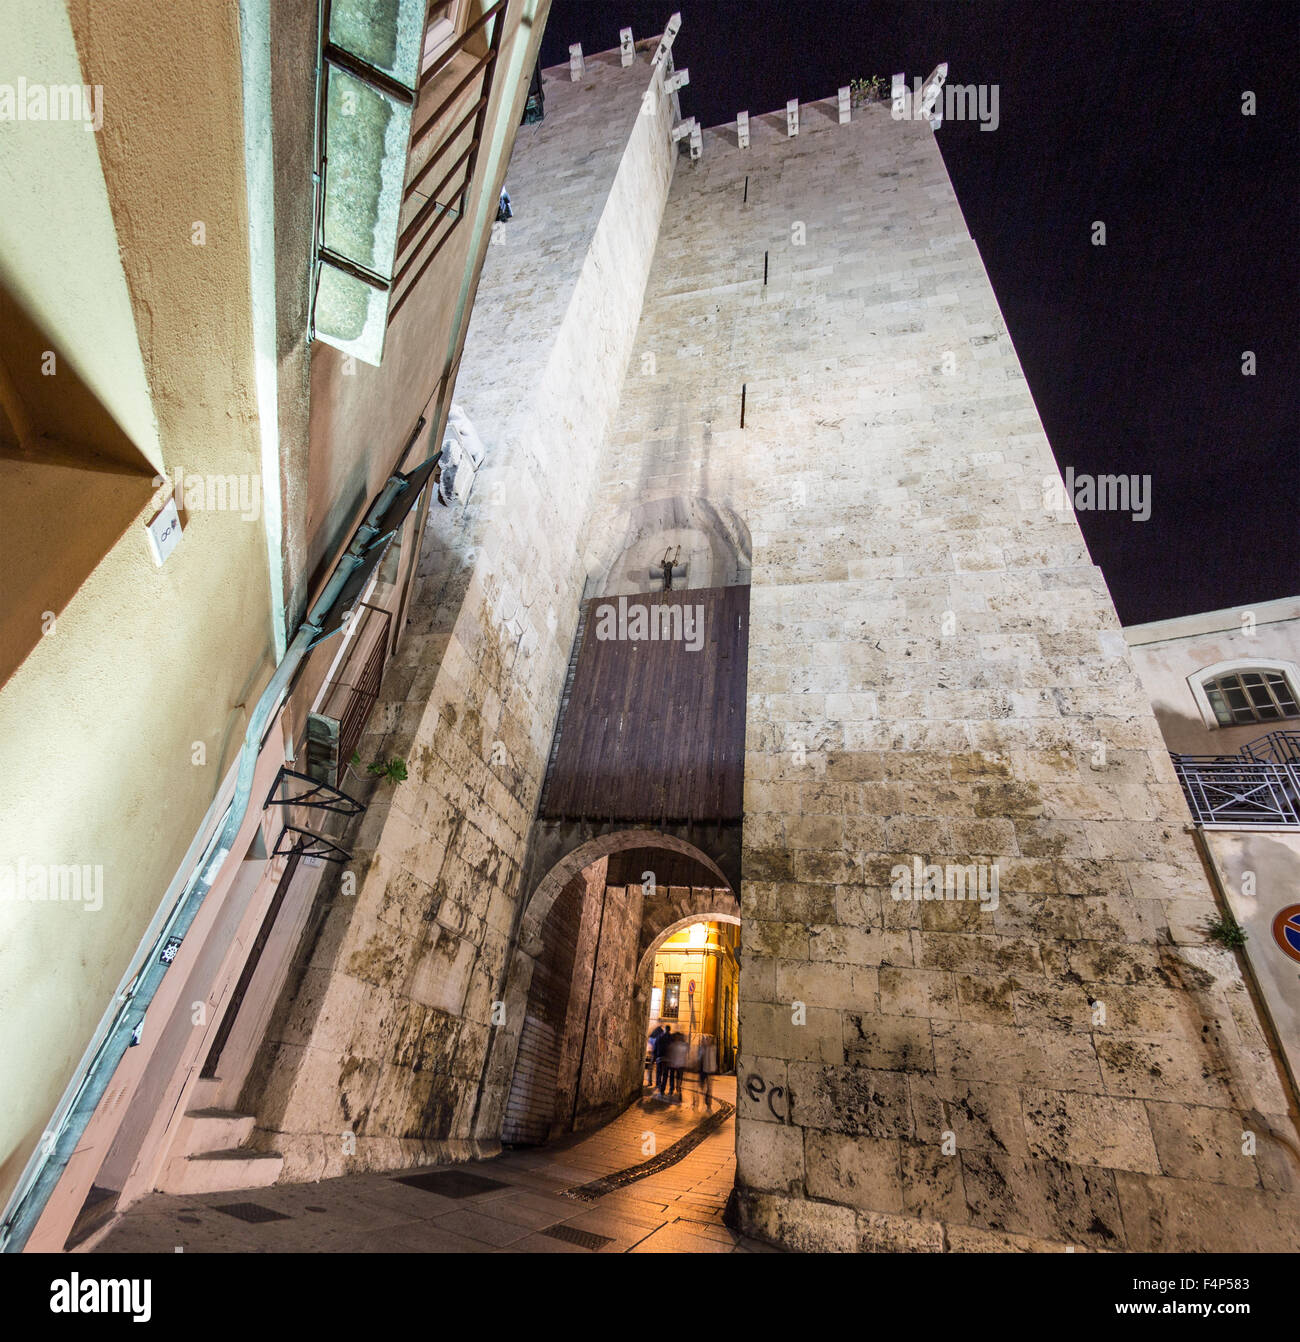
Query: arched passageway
x,y
583,970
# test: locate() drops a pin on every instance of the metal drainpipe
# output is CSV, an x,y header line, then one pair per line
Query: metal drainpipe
x,y
47,1169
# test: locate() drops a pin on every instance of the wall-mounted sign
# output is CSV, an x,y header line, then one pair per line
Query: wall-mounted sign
x,y
1286,931
164,532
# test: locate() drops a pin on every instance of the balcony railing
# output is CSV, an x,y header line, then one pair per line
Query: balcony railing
x,y
1258,787
1273,748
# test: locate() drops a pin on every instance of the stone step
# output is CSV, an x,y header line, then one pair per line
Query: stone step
x,y
205,1092
221,1171
204,1130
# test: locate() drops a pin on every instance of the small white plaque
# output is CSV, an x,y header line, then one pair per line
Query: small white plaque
x,y
164,532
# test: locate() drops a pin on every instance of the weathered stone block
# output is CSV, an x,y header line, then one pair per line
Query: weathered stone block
x,y
892,1043
1089,1130
1044,1199
770,1157
975,1051
1166,1215
860,1171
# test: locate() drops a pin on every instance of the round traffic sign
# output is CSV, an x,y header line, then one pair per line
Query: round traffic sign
x,y
1286,931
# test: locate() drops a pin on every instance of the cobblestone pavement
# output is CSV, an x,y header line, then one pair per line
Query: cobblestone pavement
x,y
520,1207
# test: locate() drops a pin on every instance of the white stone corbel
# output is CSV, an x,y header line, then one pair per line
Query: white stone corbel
x,y
462,454
671,30
626,47
931,88
792,117
898,97
577,66
677,81
697,141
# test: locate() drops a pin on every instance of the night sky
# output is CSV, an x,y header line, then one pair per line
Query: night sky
x,y
1129,113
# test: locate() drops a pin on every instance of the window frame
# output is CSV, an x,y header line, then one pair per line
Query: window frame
x,y
1200,682
354,299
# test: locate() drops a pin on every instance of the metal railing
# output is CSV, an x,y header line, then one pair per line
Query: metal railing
x,y
1281,747
1240,793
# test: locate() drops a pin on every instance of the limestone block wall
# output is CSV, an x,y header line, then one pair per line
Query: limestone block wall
x,y
936,672
385,1032
603,1062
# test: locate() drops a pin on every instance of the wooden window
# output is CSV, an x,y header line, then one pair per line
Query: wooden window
x,y
1251,696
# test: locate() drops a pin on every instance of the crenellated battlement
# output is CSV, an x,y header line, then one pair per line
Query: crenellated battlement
x,y
922,101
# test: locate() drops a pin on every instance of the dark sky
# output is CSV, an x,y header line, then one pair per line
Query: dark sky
x,y
1129,112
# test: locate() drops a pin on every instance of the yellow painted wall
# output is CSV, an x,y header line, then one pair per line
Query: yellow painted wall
x,y
98,727
679,955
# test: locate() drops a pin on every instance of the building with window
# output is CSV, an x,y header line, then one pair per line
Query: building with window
x,y
694,989
1220,679
1225,686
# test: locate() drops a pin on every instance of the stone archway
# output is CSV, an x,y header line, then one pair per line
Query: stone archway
x,y
715,545
566,1052
718,1002
704,915
583,856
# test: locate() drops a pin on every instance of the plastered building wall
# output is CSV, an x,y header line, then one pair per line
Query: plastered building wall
x,y
1167,652
935,672
101,727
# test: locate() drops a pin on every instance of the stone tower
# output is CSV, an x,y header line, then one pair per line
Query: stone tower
x,y
938,695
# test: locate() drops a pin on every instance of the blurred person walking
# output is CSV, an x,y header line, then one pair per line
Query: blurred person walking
x,y
707,1062
652,1053
660,1056
676,1054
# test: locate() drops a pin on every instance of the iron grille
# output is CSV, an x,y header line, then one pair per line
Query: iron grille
x,y
1239,793
588,1239
452,1183
1273,748
252,1212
